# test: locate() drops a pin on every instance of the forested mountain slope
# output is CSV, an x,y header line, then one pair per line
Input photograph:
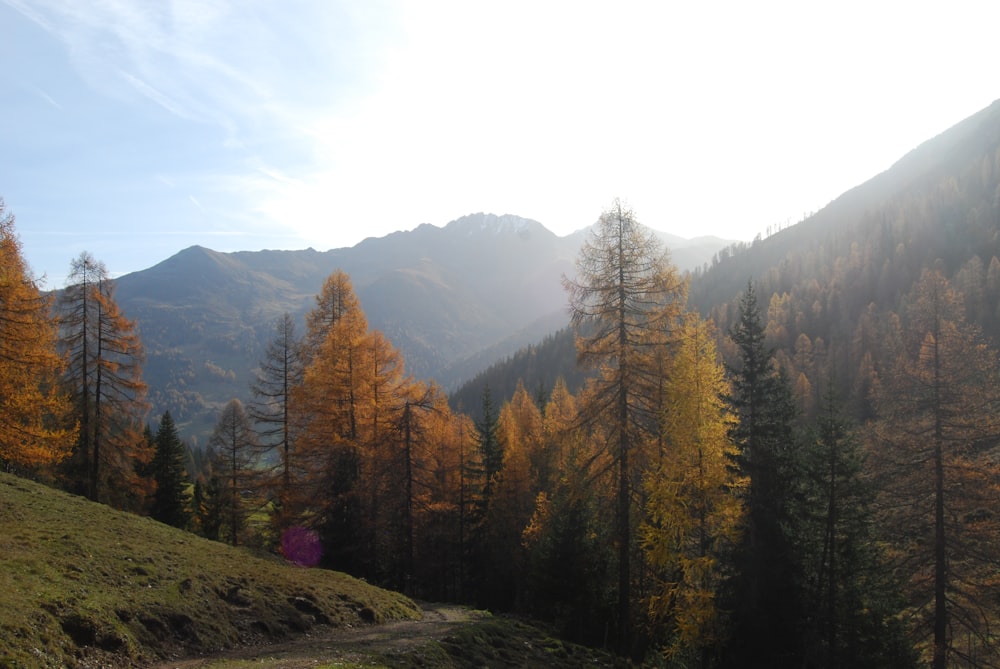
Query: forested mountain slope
x,y
939,200
536,366
832,280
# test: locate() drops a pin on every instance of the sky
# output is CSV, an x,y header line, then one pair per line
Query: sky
x,y
133,129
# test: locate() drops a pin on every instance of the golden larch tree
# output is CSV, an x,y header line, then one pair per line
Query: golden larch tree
x,y
384,394
328,407
36,428
694,508
622,300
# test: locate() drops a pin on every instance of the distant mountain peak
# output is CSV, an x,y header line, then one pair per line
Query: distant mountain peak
x,y
493,224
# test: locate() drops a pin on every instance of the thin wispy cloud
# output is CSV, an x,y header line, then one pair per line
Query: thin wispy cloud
x,y
155,95
48,98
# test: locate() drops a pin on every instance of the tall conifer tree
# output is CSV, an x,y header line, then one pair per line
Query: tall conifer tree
x,y
235,442
854,599
279,375
768,599
170,500
935,451
490,446
104,375
622,300
694,507
330,406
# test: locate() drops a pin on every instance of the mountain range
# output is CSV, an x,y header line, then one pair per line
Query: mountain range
x,y
453,299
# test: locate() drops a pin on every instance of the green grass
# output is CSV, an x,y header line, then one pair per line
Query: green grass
x,y
84,585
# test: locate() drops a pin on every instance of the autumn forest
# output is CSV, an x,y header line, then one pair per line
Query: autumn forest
x,y
787,458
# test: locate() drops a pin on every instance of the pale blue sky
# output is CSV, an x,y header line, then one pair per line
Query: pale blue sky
x,y
135,128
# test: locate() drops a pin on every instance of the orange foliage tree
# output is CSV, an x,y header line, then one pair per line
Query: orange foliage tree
x,y
328,406
623,301
935,451
376,460
36,429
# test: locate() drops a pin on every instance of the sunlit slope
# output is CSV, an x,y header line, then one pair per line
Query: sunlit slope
x,y
84,585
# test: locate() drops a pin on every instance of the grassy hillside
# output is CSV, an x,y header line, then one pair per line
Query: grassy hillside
x,y
83,585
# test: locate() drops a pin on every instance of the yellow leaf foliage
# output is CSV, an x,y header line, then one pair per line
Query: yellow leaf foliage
x,y
694,512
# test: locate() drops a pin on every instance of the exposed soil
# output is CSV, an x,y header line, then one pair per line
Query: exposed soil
x,y
324,645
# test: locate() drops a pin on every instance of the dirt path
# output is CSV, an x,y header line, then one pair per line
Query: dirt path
x,y
326,644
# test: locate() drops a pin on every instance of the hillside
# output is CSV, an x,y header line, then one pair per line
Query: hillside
x,y
835,282
453,299
939,200
537,365
827,282
84,585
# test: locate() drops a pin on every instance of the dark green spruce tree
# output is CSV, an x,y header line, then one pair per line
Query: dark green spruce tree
x,y
853,600
170,501
767,591
198,508
490,448
482,476
210,513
